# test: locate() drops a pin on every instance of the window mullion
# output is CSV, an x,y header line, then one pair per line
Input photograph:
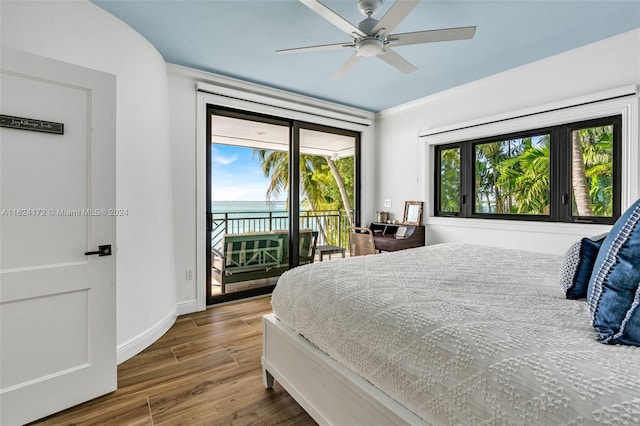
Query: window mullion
x,y
466,179
560,179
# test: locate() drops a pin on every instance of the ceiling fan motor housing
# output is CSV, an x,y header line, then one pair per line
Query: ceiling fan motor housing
x,y
367,24
369,7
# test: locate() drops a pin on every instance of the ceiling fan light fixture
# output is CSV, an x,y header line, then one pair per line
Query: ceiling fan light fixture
x,y
370,46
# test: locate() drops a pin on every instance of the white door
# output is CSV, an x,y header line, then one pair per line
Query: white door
x,y
57,200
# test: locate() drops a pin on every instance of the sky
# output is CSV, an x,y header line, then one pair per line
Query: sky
x,y
237,175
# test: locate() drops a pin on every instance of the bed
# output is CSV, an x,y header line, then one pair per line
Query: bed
x,y
444,334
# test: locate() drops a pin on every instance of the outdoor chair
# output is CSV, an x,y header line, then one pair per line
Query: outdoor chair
x,y
307,246
246,256
256,255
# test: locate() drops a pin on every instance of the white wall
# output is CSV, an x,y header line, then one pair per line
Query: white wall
x,y
182,95
83,34
184,131
601,66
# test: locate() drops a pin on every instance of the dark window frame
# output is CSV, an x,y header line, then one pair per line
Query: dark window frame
x,y
560,191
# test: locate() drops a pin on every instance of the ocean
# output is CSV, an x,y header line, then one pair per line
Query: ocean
x,y
254,216
248,206
247,216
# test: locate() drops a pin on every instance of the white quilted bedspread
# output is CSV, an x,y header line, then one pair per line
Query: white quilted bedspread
x,y
463,334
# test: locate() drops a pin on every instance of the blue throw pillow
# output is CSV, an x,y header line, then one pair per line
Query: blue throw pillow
x,y
577,266
614,288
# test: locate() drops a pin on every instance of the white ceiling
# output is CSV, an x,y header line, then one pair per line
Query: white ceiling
x,y
255,134
238,38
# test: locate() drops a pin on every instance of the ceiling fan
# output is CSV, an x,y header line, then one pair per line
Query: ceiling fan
x,y
372,37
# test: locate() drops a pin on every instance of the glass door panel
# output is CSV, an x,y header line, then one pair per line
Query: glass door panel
x,y
248,219
328,187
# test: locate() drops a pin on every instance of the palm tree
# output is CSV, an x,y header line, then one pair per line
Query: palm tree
x,y
528,177
525,178
450,180
579,178
275,165
489,157
346,202
597,154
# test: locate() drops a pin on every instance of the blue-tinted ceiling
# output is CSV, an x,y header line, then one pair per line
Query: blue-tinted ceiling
x,y
239,38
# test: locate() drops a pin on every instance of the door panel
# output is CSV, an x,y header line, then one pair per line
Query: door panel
x,y
57,305
35,160
63,330
333,153
241,137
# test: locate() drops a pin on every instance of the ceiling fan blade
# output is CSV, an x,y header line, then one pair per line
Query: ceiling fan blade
x,y
432,36
353,59
395,15
393,59
315,48
332,17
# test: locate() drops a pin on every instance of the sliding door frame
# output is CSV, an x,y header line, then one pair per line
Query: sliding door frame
x,y
295,126
357,136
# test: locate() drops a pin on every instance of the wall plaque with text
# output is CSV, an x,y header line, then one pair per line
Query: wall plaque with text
x,y
22,123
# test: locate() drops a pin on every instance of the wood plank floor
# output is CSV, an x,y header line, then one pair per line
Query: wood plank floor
x,y
204,371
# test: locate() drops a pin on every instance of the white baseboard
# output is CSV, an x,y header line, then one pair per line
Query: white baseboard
x,y
145,339
188,307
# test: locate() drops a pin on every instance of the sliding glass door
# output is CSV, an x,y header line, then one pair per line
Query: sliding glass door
x,y
329,188
264,174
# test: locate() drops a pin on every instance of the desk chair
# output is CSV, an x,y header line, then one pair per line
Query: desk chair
x,y
361,242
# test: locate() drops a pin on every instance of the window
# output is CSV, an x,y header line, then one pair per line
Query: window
x,y
512,176
566,173
449,183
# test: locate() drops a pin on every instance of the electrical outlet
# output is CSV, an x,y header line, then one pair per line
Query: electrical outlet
x,y
387,203
188,274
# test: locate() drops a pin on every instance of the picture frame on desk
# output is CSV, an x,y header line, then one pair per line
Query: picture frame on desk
x,y
412,213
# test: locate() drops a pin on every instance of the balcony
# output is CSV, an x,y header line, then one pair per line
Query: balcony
x,y
332,227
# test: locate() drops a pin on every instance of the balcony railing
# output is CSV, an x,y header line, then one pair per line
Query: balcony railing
x,y
332,225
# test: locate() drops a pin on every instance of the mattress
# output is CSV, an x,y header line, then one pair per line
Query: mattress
x,y
464,334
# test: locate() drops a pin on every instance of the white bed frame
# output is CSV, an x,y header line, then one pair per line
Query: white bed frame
x,y
328,391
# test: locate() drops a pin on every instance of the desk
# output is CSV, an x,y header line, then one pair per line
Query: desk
x,y
322,250
385,240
